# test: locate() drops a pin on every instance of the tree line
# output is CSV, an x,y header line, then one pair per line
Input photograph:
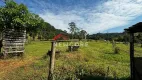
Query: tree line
x,y
119,37
17,16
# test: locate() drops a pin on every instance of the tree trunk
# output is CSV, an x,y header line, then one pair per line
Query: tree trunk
x,y
0,49
72,36
1,45
33,38
85,37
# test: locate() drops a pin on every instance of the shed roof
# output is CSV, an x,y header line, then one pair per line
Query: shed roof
x,y
135,28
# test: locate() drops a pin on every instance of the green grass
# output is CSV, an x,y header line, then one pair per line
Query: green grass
x,y
88,63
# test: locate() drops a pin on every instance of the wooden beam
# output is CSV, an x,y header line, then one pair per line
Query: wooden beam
x,y
52,61
74,40
132,56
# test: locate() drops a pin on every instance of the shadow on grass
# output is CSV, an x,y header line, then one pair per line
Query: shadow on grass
x,y
13,55
90,77
48,54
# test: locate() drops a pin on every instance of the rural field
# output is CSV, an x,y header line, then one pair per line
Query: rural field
x,y
94,61
70,39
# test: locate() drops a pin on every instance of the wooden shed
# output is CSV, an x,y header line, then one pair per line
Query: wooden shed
x,y
135,62
13,41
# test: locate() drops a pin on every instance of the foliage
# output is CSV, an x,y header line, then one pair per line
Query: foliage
x,y
16,16
13,15
138,38
76,33
117,50
74,30
89,62
119,37
83,34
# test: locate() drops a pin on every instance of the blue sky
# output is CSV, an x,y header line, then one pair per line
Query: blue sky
x,y
91,15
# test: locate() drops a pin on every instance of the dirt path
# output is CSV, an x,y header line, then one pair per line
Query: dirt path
x,y
10,65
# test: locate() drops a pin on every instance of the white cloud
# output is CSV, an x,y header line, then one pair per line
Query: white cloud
x,y
110,14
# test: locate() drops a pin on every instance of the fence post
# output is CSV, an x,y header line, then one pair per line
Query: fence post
x,y
132,56
52,60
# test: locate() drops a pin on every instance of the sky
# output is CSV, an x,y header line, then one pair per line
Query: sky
x,y
91,15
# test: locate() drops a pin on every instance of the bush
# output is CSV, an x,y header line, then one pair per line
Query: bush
x,y
116,50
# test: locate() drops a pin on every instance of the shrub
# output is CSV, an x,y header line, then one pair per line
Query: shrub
x,y
116,50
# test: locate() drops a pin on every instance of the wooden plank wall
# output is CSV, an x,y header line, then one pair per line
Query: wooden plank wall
x,y
13,41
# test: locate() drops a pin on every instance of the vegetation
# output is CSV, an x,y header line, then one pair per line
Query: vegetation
x,y
98,60
89,62
16,16
75,32
119,37
108,36
138,38
13,15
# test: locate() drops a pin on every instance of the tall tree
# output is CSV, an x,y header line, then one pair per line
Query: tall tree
x,y
83,34
73,29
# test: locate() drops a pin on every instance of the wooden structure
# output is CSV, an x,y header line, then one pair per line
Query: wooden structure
x,y
135,62
52,61
73,48
13,41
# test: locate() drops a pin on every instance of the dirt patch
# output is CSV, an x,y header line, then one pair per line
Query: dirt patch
x,y
9,65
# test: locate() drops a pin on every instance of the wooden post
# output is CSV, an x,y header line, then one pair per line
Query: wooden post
x,y
132,55
52,60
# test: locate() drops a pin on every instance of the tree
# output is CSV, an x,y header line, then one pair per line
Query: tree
x,y
46,31
16,16
13,16
83,34
33,25
139,38
73,29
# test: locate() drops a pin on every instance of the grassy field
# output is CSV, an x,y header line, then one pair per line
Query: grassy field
x,y
93,62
